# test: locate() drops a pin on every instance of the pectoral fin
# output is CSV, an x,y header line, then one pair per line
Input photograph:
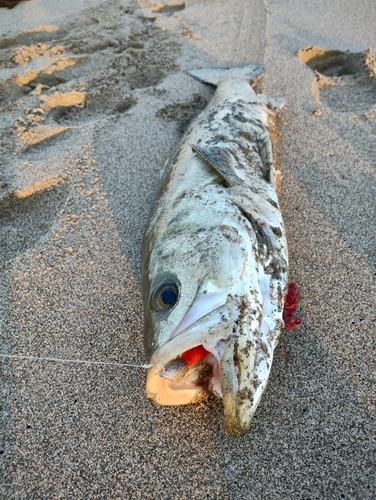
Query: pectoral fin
x,y
220,160
273,104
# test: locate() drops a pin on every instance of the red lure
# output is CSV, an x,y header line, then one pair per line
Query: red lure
x,y
194,354
291,298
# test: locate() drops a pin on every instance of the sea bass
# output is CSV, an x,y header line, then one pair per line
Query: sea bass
x,y
214,265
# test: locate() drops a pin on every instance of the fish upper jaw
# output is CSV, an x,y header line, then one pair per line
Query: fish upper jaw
x,y
214,326
202,306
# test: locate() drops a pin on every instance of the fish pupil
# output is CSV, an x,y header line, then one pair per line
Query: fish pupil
x,y
169,297
165,296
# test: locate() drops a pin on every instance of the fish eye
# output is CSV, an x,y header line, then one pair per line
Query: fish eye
x,y
165,296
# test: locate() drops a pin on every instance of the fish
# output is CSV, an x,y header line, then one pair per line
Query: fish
x,y
214,270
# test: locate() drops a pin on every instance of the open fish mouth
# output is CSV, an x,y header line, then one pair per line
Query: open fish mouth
x,y
186,378
205,358
188,365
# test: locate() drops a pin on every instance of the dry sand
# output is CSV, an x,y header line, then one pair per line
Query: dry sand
x,y
90,97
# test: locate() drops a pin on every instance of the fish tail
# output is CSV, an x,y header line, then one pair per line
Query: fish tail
x,y
214,76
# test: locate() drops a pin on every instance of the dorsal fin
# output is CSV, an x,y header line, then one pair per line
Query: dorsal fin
x,y
220,160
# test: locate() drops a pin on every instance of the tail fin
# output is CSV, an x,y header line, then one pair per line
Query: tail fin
x,y
250,73
215,75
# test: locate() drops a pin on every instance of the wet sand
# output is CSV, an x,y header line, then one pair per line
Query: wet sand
x,y
90,98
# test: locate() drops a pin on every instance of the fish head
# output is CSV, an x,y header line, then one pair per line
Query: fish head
x,y
200,294
187,275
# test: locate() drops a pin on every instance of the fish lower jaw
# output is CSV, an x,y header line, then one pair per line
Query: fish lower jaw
x,y
201,378
168,393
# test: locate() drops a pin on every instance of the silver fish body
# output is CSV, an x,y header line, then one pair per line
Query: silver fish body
x,y
214,266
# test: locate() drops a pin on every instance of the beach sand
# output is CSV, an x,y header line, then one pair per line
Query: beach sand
x,y
91,94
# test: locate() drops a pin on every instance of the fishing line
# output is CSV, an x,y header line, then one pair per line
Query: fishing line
x,y
82,361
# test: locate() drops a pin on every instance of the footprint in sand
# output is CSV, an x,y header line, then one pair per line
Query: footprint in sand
x,y
27,216
345,81
106,69
55,79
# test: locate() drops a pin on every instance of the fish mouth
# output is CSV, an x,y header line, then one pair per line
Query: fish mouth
x,y
180,383
201,359
188,365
